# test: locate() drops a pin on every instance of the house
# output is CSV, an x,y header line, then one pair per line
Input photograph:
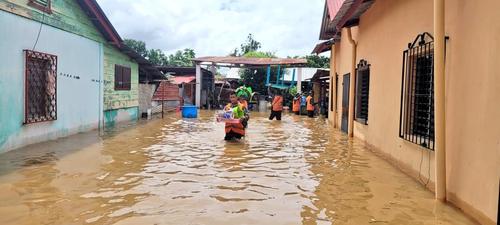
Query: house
x,y
418,81
64,70
185,77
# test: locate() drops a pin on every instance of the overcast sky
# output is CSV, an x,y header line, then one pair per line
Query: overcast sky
x,y
216,27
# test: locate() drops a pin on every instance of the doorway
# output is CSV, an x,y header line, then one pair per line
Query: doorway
x,y
345,102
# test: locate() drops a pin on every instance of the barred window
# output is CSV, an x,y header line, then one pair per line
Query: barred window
x,y
44,5
362,91
40,87
417,92
122,77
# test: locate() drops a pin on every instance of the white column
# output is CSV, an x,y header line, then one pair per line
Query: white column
x,y
299,80
198,85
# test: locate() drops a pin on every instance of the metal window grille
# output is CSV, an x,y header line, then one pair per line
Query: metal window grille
x,y
40,87
122,78
362,91
416,122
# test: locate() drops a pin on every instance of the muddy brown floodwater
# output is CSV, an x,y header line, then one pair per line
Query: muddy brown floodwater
x,y
175,171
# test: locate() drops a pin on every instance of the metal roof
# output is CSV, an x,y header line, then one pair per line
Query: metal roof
x,y
341,13
232,61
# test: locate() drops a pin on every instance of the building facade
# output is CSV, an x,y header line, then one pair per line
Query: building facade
x,y
383,53
60,61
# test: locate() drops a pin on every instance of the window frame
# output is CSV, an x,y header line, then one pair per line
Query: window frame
x,y
34,55
45,8
411,98
120,84
362,72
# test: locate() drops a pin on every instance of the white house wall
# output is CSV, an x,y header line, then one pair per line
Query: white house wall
x,y
79,90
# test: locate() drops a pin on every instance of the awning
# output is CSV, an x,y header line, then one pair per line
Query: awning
x,y
322,47
181,80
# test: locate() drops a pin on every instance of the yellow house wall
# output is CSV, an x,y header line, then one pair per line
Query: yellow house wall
x,y
472,93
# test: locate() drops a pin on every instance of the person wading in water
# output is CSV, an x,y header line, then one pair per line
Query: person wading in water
x,y
236,130
277,107
296,104
310,105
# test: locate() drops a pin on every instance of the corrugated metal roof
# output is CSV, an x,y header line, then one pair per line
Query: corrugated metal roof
x,y
244,61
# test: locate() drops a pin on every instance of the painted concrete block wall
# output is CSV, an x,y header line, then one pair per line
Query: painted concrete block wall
x,y
119,102
79,101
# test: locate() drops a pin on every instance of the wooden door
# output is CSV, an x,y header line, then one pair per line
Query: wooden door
x,y
345,102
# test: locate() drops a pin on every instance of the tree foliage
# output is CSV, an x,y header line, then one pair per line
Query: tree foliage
x,y
316,61
158,57
250,45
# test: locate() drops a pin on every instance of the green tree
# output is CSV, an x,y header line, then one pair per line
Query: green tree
x,y
250,45
138,46
158,57
317,61
182,58
256,77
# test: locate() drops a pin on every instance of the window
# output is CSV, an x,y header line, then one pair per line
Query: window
x,y
417,92
44,5
122,78
362,91
40,87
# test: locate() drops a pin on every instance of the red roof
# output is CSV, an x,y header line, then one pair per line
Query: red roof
x,y
167,91
334,7
183,79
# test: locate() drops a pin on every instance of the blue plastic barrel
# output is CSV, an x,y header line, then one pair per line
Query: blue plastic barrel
x,y
189,111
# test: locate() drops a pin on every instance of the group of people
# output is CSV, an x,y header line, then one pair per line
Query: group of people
x,y
238,105
299,101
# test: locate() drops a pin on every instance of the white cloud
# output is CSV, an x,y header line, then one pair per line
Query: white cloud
x,y
216,27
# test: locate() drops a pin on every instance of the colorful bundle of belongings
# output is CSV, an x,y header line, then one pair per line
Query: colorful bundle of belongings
x,y
229,115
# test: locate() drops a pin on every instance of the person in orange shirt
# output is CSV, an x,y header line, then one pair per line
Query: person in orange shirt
x,y
296,104
310,105
277,107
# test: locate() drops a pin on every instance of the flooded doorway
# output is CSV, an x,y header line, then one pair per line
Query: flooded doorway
x,y
345,102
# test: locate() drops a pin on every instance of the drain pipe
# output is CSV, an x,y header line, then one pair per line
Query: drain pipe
x,y
352,82
439,98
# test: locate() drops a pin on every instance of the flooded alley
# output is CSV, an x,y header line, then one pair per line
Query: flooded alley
x,y
180,171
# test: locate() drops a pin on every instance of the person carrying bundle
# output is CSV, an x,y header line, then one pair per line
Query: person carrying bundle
x,y
235,128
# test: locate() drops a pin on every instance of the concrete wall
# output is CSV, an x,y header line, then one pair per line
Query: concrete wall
x,y
79,101
472,90
124,103
146,92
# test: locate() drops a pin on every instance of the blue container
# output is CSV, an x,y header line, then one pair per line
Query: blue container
x,y
189,111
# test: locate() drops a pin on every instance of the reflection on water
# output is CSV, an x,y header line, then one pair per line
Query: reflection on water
x,y
177,171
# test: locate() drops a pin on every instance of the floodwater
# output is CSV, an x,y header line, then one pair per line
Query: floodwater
x,y
175,171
